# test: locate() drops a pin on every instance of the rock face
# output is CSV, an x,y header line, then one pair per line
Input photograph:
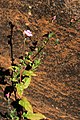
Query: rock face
x,y
65,10
73,6
55,91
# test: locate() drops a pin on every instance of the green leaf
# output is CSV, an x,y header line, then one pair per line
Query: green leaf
x,y
20,88
29,61
51,35
16,68
26,81
21,60
28,73
24,115
40,48
13,115
11,68
13,79
30,53
36,64
35,116
46,40
57,41
17,118
26,104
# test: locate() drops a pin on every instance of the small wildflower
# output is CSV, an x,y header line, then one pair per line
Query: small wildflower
x,y
72,20
27,33
54,17
7,95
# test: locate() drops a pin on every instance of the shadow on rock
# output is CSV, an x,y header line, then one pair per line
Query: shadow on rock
x,y
18,107
3,74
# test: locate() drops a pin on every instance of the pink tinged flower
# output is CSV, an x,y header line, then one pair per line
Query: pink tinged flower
x,y
7,95
54,17
72,20
27,33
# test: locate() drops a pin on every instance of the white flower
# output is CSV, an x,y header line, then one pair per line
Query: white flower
x,y
72,20
27,33
54,17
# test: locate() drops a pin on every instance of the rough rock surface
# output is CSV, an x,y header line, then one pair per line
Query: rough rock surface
x,y
55,91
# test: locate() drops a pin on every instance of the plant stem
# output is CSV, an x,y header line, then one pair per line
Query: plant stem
x,y
24,47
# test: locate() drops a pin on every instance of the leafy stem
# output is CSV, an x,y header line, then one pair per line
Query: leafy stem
x,y
21,77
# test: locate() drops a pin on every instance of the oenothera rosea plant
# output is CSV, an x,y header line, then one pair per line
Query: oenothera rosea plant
x,y
22,74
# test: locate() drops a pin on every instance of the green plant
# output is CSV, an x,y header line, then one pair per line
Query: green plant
x,y
21,80
57,41
21,77
13,115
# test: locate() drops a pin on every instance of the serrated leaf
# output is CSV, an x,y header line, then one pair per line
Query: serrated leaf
x,y
26,81
26,104
35,116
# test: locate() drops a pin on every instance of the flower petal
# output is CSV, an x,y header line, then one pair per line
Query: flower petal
x,y
28,33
